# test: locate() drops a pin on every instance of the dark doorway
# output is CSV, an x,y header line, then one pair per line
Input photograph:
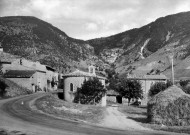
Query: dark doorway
x,y
119,99
60,95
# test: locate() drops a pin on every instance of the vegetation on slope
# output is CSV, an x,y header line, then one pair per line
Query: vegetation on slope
x,y
150,43
37,40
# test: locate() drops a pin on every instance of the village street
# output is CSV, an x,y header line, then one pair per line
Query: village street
x,y
17,115
117,120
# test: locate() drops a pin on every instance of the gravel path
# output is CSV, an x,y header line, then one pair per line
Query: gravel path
x,y
118,120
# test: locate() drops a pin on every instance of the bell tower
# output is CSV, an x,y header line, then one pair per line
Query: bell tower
x,y
91,70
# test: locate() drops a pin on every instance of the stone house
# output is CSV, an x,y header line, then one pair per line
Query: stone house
x,y
44,75
147,81
34,80
75,79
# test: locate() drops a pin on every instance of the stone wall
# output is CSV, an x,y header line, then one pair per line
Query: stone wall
x,y
24,82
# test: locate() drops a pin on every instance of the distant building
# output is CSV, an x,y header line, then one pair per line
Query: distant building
x,y
34,80
52,78
1,48
75,79
147,81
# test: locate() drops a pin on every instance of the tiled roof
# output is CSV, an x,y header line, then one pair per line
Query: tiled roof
x,y
19,73
78,73
149,77
6,57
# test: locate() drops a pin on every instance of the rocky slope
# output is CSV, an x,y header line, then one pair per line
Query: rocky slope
x,y
37,40
145,50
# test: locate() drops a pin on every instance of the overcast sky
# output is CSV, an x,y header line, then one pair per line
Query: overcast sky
x,y
86,19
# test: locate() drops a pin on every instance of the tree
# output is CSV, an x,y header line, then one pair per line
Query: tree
x,y
3,87
91,92
130,89
157,87
185,86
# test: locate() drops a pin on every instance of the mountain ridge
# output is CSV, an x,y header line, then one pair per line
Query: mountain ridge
x,y
141,50
137,45
38,40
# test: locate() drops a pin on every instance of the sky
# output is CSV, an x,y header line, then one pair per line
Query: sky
x,y
87,19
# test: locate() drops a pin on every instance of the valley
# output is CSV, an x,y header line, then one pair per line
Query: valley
x,y
138,51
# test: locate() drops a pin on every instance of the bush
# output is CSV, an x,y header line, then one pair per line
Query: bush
x,y
91,92
183,83
157,87
185,86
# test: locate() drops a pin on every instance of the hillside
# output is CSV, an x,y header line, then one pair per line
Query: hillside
x,y
144,50
37,40
137,51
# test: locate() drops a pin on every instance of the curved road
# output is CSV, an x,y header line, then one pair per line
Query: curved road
x,y
16,114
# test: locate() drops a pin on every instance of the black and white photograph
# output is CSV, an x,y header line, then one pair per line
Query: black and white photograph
x,y
94,67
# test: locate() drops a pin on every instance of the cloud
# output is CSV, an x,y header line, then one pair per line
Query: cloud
x,y
94,18
91,26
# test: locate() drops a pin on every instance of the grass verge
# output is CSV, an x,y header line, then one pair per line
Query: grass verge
x,y
51,104
139,114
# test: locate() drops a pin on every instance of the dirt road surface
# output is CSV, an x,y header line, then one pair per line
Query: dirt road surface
x,y
17,115
117,120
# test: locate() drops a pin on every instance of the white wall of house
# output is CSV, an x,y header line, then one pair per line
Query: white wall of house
x,y
146,84
77,82
41,81
37,79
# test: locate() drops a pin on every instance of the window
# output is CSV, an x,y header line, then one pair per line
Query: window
x,y
71,87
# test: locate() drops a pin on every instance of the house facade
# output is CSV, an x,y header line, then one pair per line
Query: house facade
x,y
30,79
146,82
14,69
75,79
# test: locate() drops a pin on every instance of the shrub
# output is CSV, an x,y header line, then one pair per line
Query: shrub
x,y
183,83
185,86
91,92
157,87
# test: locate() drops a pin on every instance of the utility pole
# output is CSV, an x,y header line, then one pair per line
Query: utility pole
x,y
172,60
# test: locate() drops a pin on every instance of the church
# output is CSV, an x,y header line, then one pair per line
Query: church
x,y
75,79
